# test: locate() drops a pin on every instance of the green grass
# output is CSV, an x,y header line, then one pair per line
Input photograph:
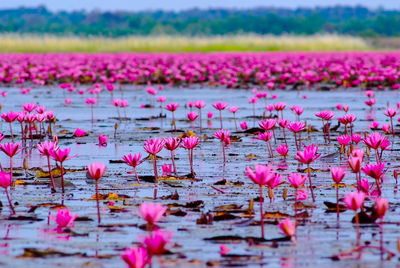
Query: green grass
x,y
24,43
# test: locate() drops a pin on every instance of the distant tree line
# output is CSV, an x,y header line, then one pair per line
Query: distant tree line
x,y
359,21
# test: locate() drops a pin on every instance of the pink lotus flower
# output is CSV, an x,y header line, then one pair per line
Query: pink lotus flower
x,y
233,109
96,172
91,101
282,150
5,182
156,242
301,195
64,218
166,169
356,138
381,206
261,175
298,110
375,171
79,133
11,148
171,144
287,227
199,104
344,139
29,107
354,200
355,163
151,212
133,161
192,116
224,250
151,91
190,143
297,180
268,124
103,140
374,125
47,149
172,107
309,154
369,93
390,112
325,115
279,106
220,105
117,102
161,99
61,155
338,174
243,125
9,117
370,102
136,257
210,115
153,147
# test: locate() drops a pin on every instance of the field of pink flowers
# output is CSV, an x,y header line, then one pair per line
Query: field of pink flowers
x,y
233,70
193,160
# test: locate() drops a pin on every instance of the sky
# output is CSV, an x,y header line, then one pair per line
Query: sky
x,y
137,5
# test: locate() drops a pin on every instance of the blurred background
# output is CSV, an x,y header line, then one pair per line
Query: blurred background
x,y
198,26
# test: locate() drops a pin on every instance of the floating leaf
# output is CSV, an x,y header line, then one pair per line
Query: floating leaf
x,y
36,253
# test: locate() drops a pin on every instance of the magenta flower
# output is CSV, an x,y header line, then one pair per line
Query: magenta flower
x,y
220,106
10,117
79,133
133,161
224,250
29,107
156,242
153,147
282,150
375,171
11,149
47,148
171,144
296,180
5,182
267,136
192,116
243,125
381,206
172,108
61,155
96,172
268,124
308,156
103,140
261,175
223,136
166,169
151,213
64,218
288,228
354,200
136,257
189,143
